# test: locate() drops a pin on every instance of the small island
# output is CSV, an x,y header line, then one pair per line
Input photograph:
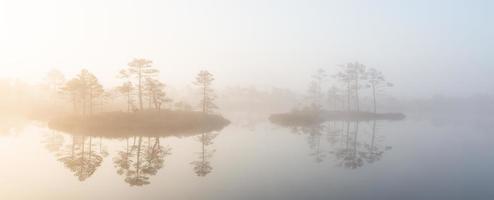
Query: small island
x,y
308,117
342,100
146,123
149,110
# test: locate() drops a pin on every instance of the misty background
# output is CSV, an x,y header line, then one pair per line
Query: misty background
x,y
431,50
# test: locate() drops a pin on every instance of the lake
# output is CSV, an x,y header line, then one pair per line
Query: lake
x,y
255,159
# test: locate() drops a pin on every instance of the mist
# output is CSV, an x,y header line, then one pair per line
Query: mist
x,y
260,99
449,50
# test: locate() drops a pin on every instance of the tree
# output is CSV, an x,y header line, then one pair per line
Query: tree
x,y
156,93
359,71
84,89
55,80
376,82
141,69
335,98
72,88
315,89
204,80
351,75
95,90
345,76
127,88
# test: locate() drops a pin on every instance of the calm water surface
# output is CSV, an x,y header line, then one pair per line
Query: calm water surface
x,y
409,159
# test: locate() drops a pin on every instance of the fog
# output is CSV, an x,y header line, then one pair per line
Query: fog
x,y
258,99
426,48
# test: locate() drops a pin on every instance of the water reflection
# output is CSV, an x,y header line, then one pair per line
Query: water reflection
x,y
11,125
140,160
80,157
137,159
350,143
202,166
53,142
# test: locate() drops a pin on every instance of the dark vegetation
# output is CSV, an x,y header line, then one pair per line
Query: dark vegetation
x,y
145,123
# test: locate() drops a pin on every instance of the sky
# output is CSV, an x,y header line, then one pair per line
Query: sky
x,y
425,47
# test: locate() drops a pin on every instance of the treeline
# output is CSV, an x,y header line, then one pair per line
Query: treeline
x,y
344,93
140,88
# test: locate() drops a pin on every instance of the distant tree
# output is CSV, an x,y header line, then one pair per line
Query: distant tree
x,y
351,74
155,91
345,75
141,69
95,90
315,89
55,80
72,89
84,90
204,80
127,88
360,75
376,81
108,96
335,98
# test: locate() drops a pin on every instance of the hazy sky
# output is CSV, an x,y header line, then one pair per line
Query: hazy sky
x,y
423,46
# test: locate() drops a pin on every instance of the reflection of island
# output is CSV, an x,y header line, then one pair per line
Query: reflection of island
x,y
140,160
351,148
202,166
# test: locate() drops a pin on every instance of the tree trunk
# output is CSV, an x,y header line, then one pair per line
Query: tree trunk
x,y
91,101
140,89
128,101
204,99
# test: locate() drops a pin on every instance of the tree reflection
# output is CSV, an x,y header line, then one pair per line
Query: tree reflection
x,y
353,152
80,157
374,150
53,142
202,166
314,133
350,146
349,156
140,160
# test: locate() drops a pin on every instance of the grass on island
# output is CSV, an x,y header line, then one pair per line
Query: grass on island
x,y
143,123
